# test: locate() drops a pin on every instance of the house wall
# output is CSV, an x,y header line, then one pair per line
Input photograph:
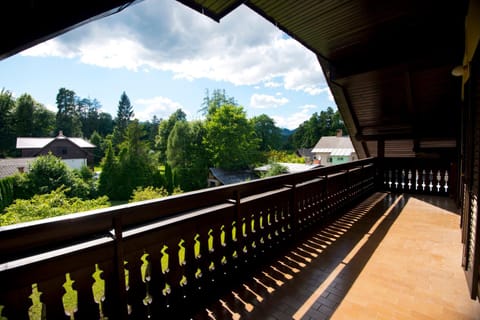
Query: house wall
x,y
75,163
327,160
339,159
64,149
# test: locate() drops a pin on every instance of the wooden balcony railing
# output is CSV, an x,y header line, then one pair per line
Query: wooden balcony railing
x,y
165,258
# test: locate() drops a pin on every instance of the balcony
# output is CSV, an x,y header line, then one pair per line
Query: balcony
x,y
304,245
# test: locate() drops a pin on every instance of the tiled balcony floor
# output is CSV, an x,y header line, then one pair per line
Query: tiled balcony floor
x,y
390,257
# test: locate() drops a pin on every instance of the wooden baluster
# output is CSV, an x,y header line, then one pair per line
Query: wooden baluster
x,y
424,176
409,179
389,179
83,283
439,180
156,283
417,179
110,307
446,181
136,289
52,294
16,303
193,296
430,184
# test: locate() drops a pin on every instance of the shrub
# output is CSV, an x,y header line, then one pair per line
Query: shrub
x,y
148,193
52,204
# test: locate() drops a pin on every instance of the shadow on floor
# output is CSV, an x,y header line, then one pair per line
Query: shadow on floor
x,y
311,277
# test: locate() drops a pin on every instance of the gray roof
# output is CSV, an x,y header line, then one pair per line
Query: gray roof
x,y
8,167
39,143
231,177
339,146
291,167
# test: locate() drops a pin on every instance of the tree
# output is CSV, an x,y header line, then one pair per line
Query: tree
x,y
135,167
43,121
88,110
219,98
324,124
109,175
164,129
105,124
124,114
7,131
68,119
230,139
97,140
24,115
269,134
48,173
186,155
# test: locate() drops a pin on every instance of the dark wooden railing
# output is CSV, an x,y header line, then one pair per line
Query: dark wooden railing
x,y
165,258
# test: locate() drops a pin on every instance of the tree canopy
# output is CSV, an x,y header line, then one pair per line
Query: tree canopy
x,y
230,139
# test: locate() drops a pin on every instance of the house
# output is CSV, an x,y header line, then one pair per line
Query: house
x,y
291,167
336,149
218,177
306,153
8,167
76,152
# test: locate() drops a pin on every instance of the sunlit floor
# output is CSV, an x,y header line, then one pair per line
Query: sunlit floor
x,y
391,257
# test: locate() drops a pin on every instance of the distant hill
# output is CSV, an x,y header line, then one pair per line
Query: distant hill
x,y
286,132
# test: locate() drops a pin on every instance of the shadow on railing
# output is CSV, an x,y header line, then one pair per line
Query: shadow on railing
x,y
165,257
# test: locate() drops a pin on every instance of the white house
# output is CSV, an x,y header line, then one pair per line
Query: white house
x,y
332,150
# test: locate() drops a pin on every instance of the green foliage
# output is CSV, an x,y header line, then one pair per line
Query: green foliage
x,y
6,192
148,193
324,124
212,103
52,204
275,169
284,156
124,114
97,140
68,118
230,139
168,178
109,175
164,129
24,115
43,121
269,134
134,167
7,130
186,155
48,173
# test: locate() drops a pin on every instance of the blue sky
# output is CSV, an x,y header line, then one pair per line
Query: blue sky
x,y
165,55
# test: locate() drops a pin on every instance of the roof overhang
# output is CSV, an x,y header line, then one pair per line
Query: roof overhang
x,y
387,63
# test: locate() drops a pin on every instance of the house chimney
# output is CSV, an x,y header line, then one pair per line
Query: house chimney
x,y
339,132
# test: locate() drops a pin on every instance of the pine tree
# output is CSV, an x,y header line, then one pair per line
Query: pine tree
x,y
124,114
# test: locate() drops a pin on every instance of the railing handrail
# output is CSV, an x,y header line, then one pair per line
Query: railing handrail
x,y
17,241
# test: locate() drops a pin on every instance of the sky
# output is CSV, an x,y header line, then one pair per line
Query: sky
x,y
165,56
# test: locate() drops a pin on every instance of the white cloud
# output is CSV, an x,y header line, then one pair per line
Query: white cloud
x,y
263,101
294,120
272,84
168,36
159,106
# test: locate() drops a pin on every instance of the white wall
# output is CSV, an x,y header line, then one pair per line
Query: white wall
x,y
75,163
